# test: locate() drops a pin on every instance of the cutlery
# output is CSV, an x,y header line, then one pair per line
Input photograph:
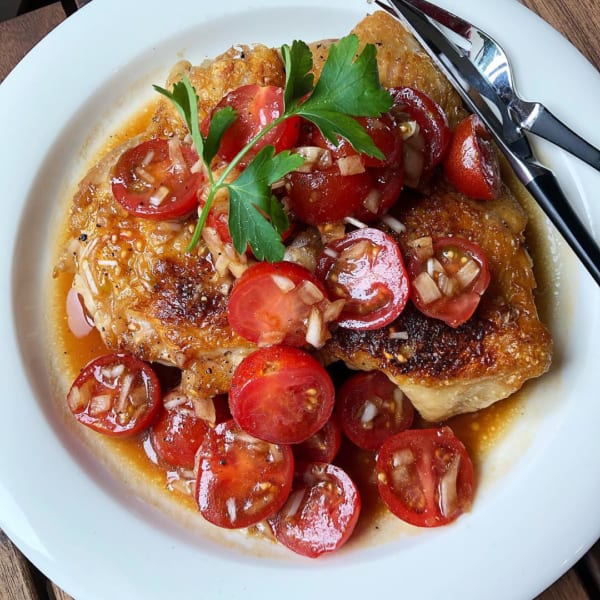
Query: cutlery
x,y
487,89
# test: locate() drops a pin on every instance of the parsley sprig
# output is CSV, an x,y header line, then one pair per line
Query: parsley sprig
x,y
348,87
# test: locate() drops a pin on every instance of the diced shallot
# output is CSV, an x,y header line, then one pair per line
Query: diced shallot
x,y
427,288
350,165
467,273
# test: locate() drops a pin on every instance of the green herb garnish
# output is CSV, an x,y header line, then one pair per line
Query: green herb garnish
x,y
348,87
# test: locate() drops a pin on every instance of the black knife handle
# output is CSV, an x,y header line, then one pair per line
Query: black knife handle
x,y
545,189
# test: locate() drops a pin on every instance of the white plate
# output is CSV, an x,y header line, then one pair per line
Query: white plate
x,y
536,511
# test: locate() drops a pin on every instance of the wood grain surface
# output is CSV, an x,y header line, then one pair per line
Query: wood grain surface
x,y
577,20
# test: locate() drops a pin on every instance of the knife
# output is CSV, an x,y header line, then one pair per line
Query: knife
x,y
481,98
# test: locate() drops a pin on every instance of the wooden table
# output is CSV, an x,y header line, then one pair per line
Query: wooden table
x,y
578,20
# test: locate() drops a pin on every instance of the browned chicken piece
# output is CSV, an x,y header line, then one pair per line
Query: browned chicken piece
x,y
148,297
446,371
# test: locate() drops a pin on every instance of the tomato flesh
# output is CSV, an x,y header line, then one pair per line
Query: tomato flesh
x,y
115,394
366,269
472,165
257,106
149,182
241,480
177,434
372,408
281,394
448,283
321,512
272,303
425,476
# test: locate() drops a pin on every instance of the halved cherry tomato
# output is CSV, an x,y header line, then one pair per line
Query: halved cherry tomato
x,y
472,165
425,476
321,512
448,277
115,394
324,195
241,480
153,180
321,446
274,303
281,394
177,434
257,106
366,269
335,190
372,408
431,120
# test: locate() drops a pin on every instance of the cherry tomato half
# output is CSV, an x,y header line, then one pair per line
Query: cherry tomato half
x,y
320,513
241,480
372,408
472,165
448,282
281,394
257,106
153,180
425,476
115,394
366,269
431,119
177,434
271,303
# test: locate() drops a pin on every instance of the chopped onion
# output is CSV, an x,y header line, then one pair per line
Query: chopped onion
x,y
394,224
423,247
314,328
333,310
126,384
373,201
369,412
467,273
147,159
309,293
447,489
426,288
314,157
330,252
285,284
100,404
145,175
176,156
350,165
159,196
355,222
231,509
434,266
447,285
413,159
399,335
79,321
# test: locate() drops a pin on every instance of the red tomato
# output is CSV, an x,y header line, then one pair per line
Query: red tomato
x,y
271,303
177,434
324,195
241,480
321,446
115,394
366,269
321,512
472,165
372,408
425,476
449,279
281,394
431,119
153,180
257,106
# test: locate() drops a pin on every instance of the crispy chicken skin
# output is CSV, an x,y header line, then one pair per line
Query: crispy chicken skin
x,y
148,297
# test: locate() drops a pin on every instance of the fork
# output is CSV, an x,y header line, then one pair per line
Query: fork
x,y
489,58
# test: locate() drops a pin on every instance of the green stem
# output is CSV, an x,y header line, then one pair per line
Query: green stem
x,y
215,186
